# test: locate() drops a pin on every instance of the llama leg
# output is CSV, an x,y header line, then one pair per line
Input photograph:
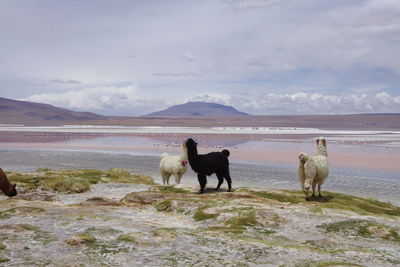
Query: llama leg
x,y
313,189
220,181
163,177
202,181
167,175
177,180
179,177
229,181
319,191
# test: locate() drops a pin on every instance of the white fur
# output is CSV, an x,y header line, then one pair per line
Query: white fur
x,y
313,170
174,165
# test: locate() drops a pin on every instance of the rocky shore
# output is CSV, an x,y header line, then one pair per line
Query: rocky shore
x,y
116,218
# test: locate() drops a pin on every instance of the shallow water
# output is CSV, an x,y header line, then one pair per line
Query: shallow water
x,y
376,183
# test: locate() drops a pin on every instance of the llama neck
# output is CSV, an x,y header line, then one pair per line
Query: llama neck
x,y
183,156
192,155
321,150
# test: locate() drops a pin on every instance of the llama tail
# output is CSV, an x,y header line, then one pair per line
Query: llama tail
x,y
165,154
226,153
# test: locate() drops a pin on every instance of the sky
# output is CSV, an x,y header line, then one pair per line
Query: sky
x,y
267,57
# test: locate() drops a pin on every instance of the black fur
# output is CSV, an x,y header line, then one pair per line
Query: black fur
x,y
13,191
207,164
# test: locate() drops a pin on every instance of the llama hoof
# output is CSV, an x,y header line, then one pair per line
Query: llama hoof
x,y
308,199
216,189
200,192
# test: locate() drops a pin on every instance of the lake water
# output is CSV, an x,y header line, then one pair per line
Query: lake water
x,y
364,164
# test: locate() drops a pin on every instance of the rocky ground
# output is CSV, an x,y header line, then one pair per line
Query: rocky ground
x,y
114,218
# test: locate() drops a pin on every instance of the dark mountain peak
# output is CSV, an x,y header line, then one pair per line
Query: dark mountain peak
x,y
199,109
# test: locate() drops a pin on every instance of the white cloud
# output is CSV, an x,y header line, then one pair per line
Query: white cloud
x,y
129,100
298,50
114,99
68,81
176,74
251,4
316,103
189,57
223,99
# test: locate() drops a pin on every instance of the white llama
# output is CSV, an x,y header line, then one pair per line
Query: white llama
x,y
176,165
313,170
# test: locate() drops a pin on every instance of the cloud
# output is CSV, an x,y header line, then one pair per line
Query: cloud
x,y
223,99
251,4
189,57
333,49
111,99
317,103
306,103
176,74
69,81
129,100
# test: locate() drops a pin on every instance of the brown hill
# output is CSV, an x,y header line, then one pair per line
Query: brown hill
x,y
29,113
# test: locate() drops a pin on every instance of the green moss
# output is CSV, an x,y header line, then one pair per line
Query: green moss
x,y
362,228
165,206
3,259
101,231
165,232
171,189
364,206
86,238
393,235
331,263
42,170
122,176
315,209
100,247
66,184
237,224
360,205
19,210
75,181
27,180
39,235
277,196
2,246
230,229
129,238
244,218
200,215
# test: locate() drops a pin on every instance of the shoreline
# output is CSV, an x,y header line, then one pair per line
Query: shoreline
x,y
381,185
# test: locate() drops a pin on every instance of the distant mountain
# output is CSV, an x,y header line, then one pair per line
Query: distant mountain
x,y
30,113
198,109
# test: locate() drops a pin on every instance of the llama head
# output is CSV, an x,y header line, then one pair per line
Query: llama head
x,y
307,185
303,157
190,143
13,191
321,146
321,141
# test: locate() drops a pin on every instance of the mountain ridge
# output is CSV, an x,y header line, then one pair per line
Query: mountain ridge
x,y
29,113
198,109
